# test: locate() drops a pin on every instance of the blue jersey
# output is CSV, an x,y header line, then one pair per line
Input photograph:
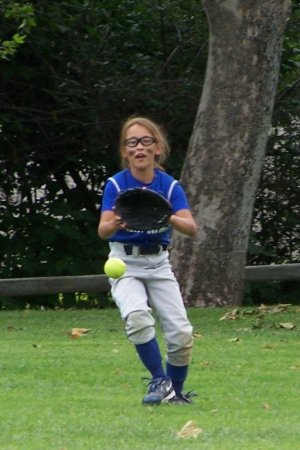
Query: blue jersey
x,y
162,183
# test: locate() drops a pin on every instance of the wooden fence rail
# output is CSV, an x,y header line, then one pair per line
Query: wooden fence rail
x,y
280,272
99,283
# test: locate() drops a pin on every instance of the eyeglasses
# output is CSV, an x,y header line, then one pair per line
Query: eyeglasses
x,y
145,140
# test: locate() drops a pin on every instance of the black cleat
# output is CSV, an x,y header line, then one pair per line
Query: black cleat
x,y
183,399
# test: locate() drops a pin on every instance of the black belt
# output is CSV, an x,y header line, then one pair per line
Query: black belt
x,y
146,250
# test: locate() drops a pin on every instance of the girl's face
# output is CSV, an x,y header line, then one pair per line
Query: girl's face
x,y
140,148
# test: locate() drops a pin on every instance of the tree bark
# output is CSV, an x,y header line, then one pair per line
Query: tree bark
x,y
227,147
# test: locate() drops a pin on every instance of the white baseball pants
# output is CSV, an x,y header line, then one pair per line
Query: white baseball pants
x,y
149,283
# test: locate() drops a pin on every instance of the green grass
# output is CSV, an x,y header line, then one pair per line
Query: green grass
x,y
62,393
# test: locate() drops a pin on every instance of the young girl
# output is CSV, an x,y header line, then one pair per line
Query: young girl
x,y
149,282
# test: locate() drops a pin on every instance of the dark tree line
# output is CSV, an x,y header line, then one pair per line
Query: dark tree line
x,y
84,68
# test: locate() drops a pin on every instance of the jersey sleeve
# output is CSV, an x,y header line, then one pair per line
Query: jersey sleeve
x,y
109,196
178,198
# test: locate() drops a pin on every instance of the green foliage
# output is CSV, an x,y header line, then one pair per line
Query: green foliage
x,y
84,68
21,17
76,300
271,293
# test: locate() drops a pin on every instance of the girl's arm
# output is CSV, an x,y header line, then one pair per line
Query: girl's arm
x,y
183,222
109,224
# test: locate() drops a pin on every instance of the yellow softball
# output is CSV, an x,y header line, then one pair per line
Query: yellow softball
x,y
114,267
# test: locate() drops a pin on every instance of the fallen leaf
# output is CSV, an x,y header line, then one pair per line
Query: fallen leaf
x,y
249,311
241,329
231,315
295,367
190,429
280,307
208,363
76,333
262,308
287,325
266,406
198,335
270,346
258,323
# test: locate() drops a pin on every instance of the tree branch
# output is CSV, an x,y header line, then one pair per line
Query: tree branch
x,y
280,97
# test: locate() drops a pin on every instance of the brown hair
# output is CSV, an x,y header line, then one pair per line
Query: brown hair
x,y
156,131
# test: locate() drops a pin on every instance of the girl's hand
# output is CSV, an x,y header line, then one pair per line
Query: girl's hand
x,y
119,223
109,224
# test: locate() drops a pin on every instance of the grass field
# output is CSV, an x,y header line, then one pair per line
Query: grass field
x,y
61,393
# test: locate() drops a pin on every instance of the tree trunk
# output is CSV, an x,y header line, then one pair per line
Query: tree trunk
x,y
226,152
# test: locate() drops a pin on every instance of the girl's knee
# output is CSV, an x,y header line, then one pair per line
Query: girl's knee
x,y
140,327
180,349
